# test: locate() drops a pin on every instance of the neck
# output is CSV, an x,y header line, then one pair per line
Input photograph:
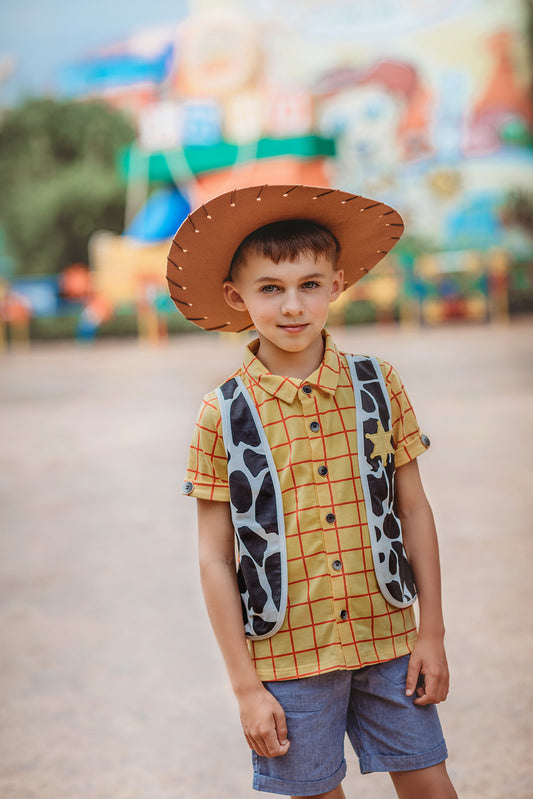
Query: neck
x,y
291,364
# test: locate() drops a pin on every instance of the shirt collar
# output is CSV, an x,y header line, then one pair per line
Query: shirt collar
x,y
325,377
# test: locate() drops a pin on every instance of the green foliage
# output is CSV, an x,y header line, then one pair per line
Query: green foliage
x,y
360,312
120,325
59,181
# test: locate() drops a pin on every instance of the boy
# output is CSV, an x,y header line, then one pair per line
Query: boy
x,y
306,457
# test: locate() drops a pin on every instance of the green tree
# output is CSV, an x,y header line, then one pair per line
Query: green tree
x,y
59,181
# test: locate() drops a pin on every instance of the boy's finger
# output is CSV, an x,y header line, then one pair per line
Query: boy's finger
x,y
413,671
273,746
431,693
281,725
256,746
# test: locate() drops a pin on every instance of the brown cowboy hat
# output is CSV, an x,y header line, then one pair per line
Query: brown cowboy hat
x,y
201,253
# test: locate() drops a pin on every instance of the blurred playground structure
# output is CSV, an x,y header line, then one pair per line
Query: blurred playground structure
x,y
426,106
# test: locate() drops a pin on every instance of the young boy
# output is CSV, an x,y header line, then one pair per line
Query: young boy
x,y
306,459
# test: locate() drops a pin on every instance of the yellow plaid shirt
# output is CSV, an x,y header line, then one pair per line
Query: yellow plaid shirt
x,y
336,616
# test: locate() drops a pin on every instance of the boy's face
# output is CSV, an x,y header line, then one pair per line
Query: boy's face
x,y
289,301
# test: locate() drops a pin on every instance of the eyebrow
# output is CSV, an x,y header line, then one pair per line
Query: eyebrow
x,y
267,279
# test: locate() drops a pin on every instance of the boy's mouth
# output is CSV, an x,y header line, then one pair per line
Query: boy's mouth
x,y
294,328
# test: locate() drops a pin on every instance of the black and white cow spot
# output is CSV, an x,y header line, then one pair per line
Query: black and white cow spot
x,y
240,491
255,544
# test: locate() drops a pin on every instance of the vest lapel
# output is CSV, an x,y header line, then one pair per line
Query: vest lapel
x,y
375,449
257,512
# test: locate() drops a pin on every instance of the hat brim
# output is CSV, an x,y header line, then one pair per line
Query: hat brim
x,y
202,250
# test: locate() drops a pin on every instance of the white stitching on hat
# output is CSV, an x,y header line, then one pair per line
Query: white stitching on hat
x,y
218,327
192,223
174,264
324,193
183,288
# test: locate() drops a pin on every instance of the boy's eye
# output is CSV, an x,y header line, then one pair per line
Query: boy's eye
x,y
269,289
310,284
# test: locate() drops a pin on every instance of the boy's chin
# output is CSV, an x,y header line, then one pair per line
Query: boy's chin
x,y
286,341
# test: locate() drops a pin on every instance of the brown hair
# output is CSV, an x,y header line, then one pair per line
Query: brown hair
x,y
286,241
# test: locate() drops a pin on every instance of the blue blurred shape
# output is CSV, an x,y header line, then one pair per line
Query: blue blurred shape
x,y
160,217
117,69
40,292
202,123
475,223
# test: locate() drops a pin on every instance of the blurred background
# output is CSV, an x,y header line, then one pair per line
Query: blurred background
x,y
115,120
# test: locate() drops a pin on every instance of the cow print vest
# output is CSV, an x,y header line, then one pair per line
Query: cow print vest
x,y
257,509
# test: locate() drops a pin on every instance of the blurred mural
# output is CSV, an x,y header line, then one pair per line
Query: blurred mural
x,y
426,106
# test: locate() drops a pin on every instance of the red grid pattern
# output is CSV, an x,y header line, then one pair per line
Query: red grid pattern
x,y
314,638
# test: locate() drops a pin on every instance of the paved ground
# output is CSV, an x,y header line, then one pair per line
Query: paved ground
x,y
111,685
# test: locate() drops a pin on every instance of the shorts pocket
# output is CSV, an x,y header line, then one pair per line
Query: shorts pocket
x,y
394,671
309,694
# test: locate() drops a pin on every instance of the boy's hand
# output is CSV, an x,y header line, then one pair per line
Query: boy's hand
x,y
263,722
428,672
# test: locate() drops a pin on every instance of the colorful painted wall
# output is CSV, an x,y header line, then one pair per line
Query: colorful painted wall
x,y
429,103
424,105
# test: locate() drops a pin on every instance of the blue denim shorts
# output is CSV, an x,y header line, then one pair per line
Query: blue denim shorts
x,y
386,729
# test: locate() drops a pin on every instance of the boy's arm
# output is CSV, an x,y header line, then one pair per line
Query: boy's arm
x,y
262,717
420,540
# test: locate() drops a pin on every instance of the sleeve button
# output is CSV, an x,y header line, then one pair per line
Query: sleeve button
x,y
425,440
187,487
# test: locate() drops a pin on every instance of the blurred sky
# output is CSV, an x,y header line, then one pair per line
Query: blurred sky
x,y
44,35
40,37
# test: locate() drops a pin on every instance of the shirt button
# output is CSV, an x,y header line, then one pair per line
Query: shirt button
x,y
425,440
315,427
187,487
337,565
323,470
306,389
330,518
343,615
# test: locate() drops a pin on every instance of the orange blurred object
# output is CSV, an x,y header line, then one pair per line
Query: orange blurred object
x,y
76,282
255,173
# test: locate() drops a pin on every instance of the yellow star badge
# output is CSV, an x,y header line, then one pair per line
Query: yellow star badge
x,y
382,441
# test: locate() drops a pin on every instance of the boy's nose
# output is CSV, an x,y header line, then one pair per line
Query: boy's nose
x,y
292,305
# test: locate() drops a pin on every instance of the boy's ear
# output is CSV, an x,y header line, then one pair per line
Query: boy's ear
x,y
337,287
232,296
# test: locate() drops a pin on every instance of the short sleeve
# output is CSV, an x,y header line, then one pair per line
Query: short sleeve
x,y
409,441
207,469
